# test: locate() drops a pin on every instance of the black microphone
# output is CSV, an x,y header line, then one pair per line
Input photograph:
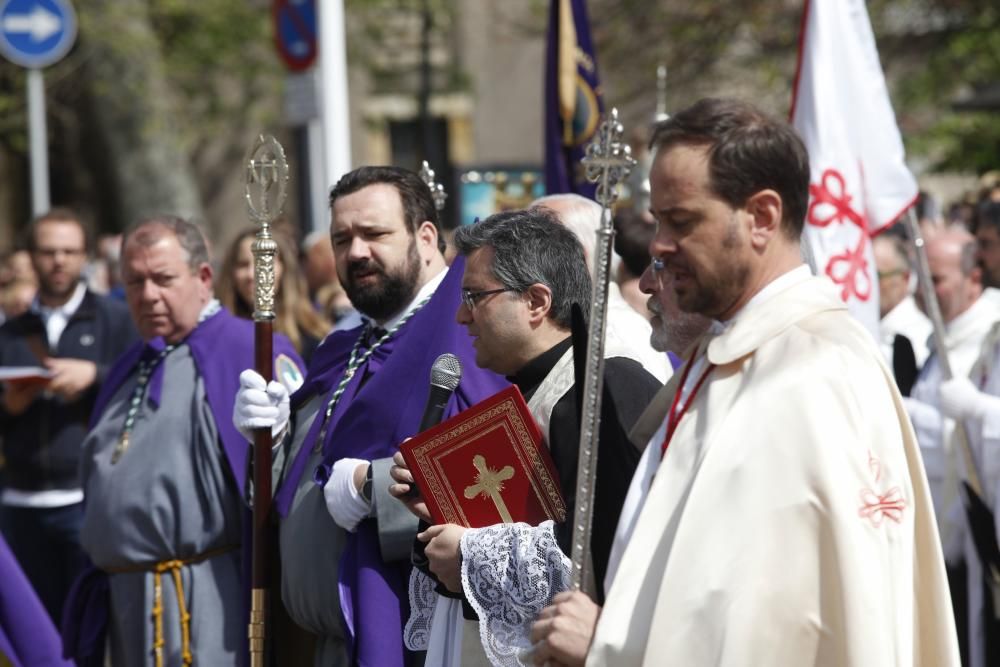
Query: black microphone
x,y
446,373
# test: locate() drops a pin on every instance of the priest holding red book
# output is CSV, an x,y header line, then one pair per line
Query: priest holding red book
x,y
523,272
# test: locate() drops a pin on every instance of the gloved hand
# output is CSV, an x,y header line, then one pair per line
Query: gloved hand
x,y
260,404
920,412
343,500
961,400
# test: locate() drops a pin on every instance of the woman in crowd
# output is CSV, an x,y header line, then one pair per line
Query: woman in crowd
x,y
294,314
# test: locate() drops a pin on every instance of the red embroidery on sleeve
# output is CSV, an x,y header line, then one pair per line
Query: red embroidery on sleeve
x,y
875,466
874,506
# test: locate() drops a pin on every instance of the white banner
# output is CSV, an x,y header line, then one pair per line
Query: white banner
x,y
859,182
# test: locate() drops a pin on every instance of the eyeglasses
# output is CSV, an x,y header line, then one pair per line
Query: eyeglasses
x,y
882,275
49,253
657,264
469,298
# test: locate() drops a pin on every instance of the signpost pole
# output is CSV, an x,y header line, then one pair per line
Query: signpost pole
x,y
35,34
334,109
38,149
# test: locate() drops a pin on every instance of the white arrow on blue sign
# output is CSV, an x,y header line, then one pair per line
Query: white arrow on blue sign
x,y
36,33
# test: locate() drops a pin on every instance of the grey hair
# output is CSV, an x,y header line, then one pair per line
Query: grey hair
x,y
899,248
531,247
148,231
967,258
582,217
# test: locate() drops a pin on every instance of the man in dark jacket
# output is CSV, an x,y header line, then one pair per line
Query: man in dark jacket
x,y
72,336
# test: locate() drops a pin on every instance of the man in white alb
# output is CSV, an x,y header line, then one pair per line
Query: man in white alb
x,y
780,514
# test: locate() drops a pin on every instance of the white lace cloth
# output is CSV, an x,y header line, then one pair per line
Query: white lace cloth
x,y
423,599
510,572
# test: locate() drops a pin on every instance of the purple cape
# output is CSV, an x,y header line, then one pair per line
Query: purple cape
x,y
368,423
222,347
27,636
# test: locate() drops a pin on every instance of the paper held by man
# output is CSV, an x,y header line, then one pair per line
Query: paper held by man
x,y
25,375
486,465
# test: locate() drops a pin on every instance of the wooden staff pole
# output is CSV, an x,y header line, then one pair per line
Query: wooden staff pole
x,y
266,180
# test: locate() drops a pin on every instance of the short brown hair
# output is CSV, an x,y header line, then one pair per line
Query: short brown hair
x,y
748,151
418,204
58,214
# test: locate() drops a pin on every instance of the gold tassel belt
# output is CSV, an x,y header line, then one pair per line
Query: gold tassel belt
x,y
174,568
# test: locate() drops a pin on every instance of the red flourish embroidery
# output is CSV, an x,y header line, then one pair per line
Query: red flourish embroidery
x,y
875,466
875,507
829,204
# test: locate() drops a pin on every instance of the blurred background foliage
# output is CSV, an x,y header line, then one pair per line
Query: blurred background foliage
x,y
155,106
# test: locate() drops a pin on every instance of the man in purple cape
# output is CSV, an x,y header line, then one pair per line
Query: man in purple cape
x,y
27,636
345,543
163,466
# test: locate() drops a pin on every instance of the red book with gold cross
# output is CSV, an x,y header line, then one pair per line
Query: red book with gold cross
x,y
486,465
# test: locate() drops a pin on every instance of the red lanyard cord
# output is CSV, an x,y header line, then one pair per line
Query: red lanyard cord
x,y
674,416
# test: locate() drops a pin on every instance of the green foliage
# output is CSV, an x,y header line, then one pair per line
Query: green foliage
x,y
951,50
933,52
220,59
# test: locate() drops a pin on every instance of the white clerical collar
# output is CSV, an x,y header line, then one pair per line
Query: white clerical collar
x,y
66,310
785,280
428,288
900,314
969,322
210,308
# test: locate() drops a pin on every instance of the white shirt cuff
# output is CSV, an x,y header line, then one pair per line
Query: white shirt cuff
x,y
343,500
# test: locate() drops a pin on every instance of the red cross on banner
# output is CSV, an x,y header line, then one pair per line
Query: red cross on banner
x,y
830,203
860,183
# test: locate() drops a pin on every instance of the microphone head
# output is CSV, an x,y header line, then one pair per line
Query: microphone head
x,y
446,372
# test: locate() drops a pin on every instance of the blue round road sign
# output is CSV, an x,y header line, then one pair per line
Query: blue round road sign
x,y
36,33
295,32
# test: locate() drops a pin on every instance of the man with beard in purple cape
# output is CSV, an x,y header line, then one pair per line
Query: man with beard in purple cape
x,y
163,469
344,541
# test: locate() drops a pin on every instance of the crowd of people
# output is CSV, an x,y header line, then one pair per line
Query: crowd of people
x,y
946,387
775,486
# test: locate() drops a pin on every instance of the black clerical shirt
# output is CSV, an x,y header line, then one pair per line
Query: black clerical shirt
x,y
628,389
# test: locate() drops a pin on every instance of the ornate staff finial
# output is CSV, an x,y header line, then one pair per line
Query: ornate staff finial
x,y
266,181
437,190
661,94
608,160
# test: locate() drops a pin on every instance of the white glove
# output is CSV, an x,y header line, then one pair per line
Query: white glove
x,y
260,404
343,500
920,412
961,400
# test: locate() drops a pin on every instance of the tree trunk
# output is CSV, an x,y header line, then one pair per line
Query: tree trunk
x,y
133,108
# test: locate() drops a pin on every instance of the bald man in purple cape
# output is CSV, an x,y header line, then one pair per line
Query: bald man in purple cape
x,y
345,543
163,466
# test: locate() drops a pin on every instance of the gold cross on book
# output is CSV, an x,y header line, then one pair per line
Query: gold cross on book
x,y
489,483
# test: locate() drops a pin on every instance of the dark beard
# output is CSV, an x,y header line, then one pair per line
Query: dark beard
x,y
392,291
713,296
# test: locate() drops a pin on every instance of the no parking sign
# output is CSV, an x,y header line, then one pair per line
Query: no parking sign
x,y
295,32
